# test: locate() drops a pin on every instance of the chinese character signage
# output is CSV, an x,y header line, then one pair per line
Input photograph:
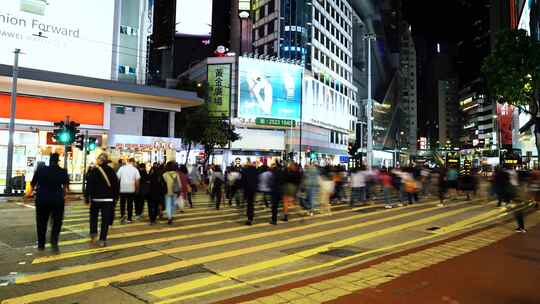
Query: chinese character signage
x,y
219,88
269,89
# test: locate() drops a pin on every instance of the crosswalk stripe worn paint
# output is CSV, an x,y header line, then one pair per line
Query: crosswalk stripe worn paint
x,y
458,226
186,215
73,254
390,270
168,239
76,288
235,273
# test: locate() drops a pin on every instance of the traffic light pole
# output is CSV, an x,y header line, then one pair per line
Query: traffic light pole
x,y
84,162
9,167
66,147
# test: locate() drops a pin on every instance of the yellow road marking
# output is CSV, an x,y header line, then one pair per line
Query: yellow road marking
x,y
186,215
235,273
59,292
210,291
68,255
161,230
179,216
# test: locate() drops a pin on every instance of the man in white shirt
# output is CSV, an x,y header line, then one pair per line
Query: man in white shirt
x,y
129,178
358,186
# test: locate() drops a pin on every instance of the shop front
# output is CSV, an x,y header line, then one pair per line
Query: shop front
x,y
144,149
33,138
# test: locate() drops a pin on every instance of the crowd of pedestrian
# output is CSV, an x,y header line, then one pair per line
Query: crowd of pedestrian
x,y
170,186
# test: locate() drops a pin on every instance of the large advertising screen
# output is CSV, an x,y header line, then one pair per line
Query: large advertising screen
x,y
65,36
269,89
194,18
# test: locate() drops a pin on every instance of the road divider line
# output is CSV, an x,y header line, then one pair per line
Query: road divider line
x,y
130,276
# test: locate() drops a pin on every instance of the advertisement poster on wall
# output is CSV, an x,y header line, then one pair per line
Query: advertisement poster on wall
x,y
505,114
219,88
59,35
269,89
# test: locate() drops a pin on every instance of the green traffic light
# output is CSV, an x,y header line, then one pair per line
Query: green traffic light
x,y
91,147
64,137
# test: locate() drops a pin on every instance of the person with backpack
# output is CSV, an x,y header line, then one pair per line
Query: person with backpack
x,y
173,190
102,187
158,189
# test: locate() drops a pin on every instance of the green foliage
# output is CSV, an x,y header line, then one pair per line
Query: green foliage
x,y
512,68
218,133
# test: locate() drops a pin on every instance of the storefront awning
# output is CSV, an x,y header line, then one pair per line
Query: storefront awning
x,y
46,83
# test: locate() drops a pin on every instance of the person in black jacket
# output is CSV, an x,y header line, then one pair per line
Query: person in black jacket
x,y
51,184
101,192
249,183
144,190
158,189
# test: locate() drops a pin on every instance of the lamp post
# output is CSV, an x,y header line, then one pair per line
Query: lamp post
x,y
9,167
369,108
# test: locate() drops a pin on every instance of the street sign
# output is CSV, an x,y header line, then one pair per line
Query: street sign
x,y
274,122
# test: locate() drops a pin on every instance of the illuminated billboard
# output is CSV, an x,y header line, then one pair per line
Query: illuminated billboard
x,y
269,89
59,35
219,88
194,18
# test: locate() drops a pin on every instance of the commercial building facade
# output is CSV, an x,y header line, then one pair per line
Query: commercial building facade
x,y
90,77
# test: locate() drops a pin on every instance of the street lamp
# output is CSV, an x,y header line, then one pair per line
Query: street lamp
x,y
369,108
9,167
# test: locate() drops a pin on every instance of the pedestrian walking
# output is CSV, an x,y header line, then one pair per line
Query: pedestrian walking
x,y
101,192
185,188
249,185
194,181
234,181
51,185
144,190
158,190
276,187
442,184
218,180
292,182
129,178
311,182
264,185
386,184
327,190
173,190
358,186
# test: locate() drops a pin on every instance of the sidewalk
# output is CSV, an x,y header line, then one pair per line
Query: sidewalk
x,y
490,266
507,271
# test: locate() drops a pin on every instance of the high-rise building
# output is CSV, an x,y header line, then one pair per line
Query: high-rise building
x,y
319,35
408,87
449,114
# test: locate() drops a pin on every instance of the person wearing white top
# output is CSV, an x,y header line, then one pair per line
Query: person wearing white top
x,y
129,178
358,186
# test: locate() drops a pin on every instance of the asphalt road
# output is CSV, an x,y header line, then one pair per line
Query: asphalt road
x,y
208,255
